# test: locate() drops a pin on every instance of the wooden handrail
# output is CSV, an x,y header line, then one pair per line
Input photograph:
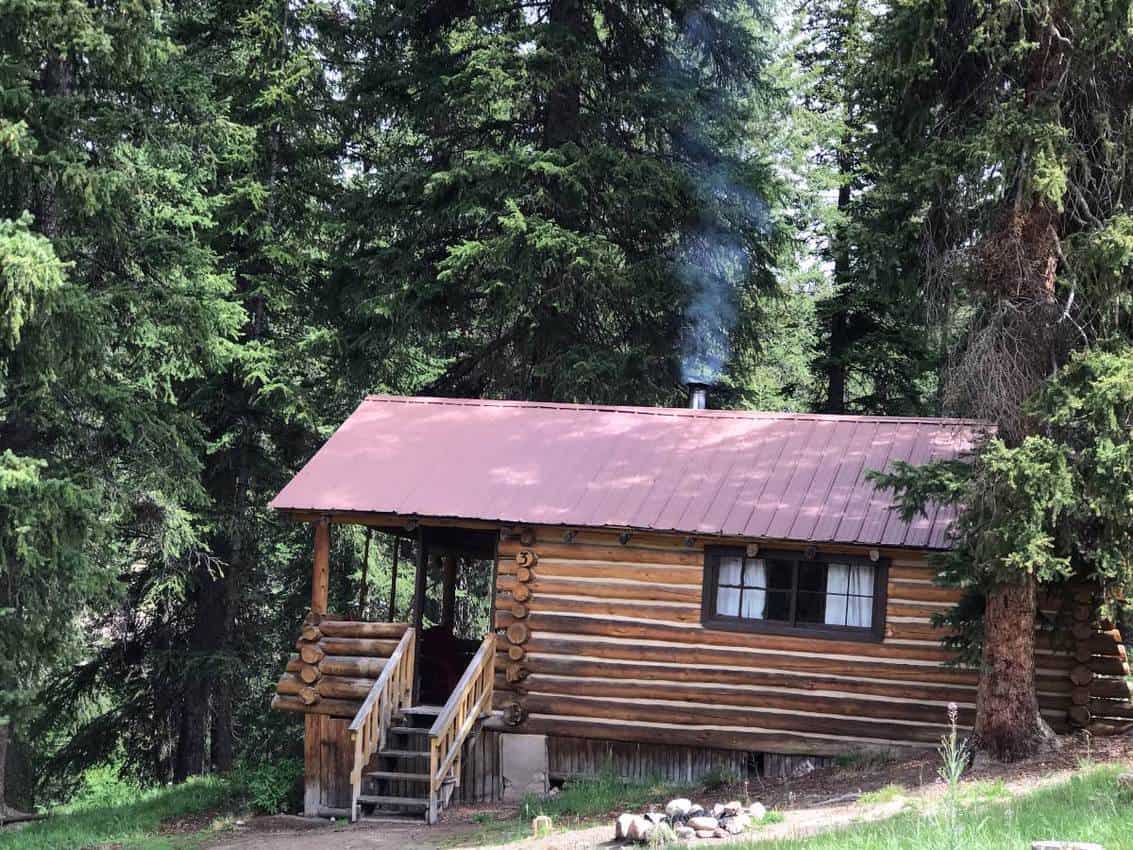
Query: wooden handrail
x,y
392,691
471,699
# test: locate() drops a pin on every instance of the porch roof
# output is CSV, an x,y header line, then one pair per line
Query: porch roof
x,y
779,476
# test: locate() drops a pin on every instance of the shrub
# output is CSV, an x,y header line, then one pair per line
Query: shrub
x,y
272,786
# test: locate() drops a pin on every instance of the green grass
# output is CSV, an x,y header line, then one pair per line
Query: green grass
x,y
109,811
883,795
1089,807
580,803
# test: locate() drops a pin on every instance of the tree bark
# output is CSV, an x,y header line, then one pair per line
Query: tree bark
x,y
3,767
841,333
1008,722
562,122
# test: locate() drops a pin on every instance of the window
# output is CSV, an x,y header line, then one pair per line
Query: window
x,y
788,592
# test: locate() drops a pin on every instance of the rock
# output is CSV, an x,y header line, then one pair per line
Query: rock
x,y
621,824
1064,845
639,829
757,811
1125,780
678,807
736,823
706,833
685,832
718,811
702,822
804,768
541,825
695,810
654,817
719,833
733,808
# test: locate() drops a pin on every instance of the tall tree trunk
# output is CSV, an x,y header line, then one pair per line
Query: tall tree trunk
x,y
1008,722
841,333
3,767
562,122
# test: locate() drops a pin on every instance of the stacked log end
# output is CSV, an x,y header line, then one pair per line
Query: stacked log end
x,y
335,664
1100,696
513,601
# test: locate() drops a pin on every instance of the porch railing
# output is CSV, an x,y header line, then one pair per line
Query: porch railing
x,y
391,692
470,700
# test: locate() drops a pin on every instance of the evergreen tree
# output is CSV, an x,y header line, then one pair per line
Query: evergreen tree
x,y
552,199
112,303
1005,124
175,677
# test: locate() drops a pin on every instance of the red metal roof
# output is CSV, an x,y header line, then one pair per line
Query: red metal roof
x,y
782,476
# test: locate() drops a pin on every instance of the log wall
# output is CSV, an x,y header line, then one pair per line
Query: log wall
x,y
601,639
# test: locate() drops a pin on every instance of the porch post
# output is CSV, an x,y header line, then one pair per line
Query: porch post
x,y
320,578
448,593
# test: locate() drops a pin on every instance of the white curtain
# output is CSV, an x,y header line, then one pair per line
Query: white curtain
x,y
849,595
728,598
755,593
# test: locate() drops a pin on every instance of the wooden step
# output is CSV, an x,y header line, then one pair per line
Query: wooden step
x,y
407,802
393,774
409,730
433,710
403,754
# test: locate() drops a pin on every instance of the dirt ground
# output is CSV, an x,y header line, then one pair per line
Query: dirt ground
x,y
824,799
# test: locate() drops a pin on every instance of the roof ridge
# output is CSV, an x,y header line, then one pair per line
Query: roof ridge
x,y
678,412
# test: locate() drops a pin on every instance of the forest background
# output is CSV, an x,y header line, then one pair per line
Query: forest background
x,y
222,222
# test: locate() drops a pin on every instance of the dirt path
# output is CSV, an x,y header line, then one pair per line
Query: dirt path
x,y
811,804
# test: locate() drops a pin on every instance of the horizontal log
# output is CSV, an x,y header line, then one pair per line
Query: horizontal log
x,y
332,687
917,631
645,574
648,539
613,554
913,609
911,592
731,675
358,629
330,707
1104,665
541,586
540,621
1111,688
845,703
352,666
680,612
702,715
681,734
629,650
373,647
912,572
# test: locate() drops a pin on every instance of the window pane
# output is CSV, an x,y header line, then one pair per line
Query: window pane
x,y
754,603
728,601
778,605
812,576
849,589
730,566
779,574
755,573
811,607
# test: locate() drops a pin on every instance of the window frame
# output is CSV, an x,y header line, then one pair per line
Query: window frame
x,y
712,620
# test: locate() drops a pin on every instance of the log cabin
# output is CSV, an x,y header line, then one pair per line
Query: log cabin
x,y
672,591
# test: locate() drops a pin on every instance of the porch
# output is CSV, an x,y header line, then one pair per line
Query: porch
x,y
394,710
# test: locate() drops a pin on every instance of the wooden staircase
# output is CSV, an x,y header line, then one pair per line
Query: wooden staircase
x,y
407,757
396,780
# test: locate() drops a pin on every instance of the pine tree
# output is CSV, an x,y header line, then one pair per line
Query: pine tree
x,y
553,197
1002,122
112,303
